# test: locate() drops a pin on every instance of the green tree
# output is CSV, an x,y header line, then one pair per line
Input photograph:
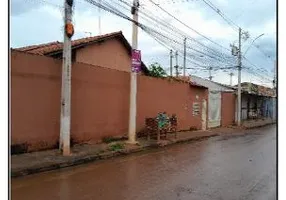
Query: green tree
x,y
156,70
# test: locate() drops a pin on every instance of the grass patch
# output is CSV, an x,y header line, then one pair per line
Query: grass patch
x,y
116,146
108,139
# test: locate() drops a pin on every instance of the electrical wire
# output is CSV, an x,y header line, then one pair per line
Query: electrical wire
x,y
187,25
218,11
163,40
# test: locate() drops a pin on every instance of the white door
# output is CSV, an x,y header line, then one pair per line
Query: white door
x,y
204,115
214,109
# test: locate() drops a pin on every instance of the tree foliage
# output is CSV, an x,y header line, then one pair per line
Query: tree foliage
x,y
156,70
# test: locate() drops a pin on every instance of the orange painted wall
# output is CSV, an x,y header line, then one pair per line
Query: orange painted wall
x,y
110,54
228,108
100,101
157,95
35,100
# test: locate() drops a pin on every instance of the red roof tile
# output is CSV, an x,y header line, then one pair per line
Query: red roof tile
x,y
43,49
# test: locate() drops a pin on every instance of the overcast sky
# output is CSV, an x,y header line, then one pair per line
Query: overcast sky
x,y
40,21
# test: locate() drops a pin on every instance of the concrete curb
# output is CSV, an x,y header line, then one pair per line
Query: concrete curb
x,y
110,154
259,126
101,156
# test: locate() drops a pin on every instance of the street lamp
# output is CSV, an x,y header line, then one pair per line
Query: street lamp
x,y
252,43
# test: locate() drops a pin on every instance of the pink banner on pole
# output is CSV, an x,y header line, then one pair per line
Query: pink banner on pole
x,y
136,61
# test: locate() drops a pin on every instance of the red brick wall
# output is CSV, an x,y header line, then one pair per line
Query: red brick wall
x,y
100,101
227,108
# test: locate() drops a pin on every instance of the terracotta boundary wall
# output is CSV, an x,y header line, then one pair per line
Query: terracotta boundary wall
x,y
228,104
100,102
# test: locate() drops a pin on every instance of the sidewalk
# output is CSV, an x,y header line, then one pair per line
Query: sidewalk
x,y
257,123
30,163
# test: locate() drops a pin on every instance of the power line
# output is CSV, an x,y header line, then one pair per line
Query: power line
x,y
218,11
267,56
160,36
170,28
116,11
143,27
190,47
187,25
257,68
243,10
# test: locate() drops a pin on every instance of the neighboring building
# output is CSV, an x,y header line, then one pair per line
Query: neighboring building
x,y
211,85
110,50
257,102
221,102
252,88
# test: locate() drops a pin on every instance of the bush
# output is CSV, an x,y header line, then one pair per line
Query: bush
x,y
155,70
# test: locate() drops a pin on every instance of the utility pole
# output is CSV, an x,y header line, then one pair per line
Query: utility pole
x,y
99,19
210,73
177,67
239,82
274,80
171,62
66,81
231,75
184,69
274,102
133,78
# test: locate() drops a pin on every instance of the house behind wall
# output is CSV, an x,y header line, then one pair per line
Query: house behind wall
x,y
100,101
110,50
222,102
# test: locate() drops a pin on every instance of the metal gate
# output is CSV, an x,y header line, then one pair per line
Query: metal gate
x,y
214,113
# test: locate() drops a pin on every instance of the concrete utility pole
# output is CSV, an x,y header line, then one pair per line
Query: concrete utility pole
x,y
177,67
184,69
171,62
66,81
274,80
274,102
210,73
239,82
99,19
133,78
231,75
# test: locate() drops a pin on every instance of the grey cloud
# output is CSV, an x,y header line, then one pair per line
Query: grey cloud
x,y
21,6
245,13
254,16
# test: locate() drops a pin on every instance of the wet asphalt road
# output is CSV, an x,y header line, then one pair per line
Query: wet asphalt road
x,y
220,168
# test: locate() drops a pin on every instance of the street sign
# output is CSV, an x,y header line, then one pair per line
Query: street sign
x,y
136,61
